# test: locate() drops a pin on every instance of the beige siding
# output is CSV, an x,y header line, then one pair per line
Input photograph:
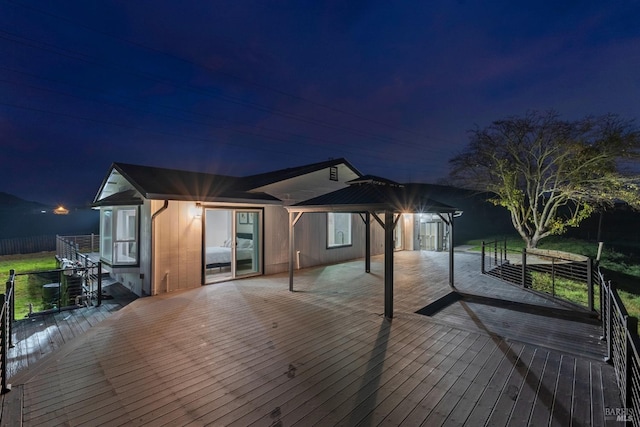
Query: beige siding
x,y
311,241
276,239
178,247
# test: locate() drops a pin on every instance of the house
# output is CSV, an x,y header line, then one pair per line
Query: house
x,y
163,229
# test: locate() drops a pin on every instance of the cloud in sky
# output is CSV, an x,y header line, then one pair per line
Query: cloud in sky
x,y
251,86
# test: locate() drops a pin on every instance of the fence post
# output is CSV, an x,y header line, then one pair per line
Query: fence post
x,y
553,277
495,252
630,330
607,321
99,283
524,267
483,255
11,305
3,338
590,282
505,249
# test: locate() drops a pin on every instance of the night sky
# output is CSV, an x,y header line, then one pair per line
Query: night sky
x,y
243,87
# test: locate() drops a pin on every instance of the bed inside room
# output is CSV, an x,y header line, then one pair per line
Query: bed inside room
x,y
220,256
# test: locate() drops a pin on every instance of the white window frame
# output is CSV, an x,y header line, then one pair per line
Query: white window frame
x,y
339,234
123,241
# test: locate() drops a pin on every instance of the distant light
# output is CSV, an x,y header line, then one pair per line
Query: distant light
x,y
43,211
61,210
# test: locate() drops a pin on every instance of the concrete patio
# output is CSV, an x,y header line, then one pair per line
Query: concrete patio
x,y
249,352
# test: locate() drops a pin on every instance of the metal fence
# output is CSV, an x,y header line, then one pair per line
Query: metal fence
x,y
619,329
74,284
27,245
565,276
76,247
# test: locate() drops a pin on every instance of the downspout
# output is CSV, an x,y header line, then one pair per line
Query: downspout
x,y
153,244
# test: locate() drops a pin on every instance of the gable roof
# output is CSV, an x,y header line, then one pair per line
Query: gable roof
x,y
173,184
260,180
158,183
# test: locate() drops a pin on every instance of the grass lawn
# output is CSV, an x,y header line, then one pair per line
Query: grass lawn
x,y
28,288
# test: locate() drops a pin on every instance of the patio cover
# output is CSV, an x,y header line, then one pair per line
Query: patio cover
x,y
383,200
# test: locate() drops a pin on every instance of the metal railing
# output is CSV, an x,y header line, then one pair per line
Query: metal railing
x,y
73,284
559,275
620,331
75,247
77,285
6,330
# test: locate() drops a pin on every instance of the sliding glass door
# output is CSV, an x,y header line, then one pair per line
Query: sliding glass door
x,y
232,243
247,243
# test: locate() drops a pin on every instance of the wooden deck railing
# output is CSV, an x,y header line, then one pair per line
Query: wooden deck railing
x,y
6,330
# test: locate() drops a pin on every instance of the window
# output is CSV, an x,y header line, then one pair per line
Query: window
x,y
338,229
119,235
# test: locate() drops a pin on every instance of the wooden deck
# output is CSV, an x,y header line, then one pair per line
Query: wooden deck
x,y
249,352
39,335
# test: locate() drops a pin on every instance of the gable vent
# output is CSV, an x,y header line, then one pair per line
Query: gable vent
x,y
333,173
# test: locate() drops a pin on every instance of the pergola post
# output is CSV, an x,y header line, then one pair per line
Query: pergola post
x,y
451,281
293,219
367,250
291,249
388,264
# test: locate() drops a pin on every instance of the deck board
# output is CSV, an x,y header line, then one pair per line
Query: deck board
x,y
251,353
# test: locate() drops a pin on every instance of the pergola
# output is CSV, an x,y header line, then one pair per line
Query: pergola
x,y
384,201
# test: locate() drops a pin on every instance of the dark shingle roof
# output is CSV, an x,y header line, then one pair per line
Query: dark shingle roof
x,y
371,196
162,183
260,180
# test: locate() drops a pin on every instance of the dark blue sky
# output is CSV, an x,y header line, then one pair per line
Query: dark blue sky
x,y
242,87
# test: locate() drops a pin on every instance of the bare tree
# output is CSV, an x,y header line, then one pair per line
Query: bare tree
x,y
549,173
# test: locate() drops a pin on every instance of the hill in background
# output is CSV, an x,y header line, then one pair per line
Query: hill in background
x,y
22,218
